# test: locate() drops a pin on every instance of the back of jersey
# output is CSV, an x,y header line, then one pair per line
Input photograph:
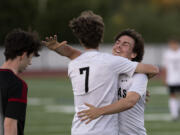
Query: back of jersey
x,y
94,78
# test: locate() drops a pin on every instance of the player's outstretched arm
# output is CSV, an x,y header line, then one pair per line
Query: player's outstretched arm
x,y
10,126
148,69
119,106
61,48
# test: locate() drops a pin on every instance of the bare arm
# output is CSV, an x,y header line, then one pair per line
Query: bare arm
x,y
61,48
147,69
68,51
122,105
119,106
10,126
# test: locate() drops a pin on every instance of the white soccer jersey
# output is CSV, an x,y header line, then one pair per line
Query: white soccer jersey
x,y
131,122
171,61
94,78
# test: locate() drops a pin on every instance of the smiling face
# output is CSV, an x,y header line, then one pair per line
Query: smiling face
x,y
124,47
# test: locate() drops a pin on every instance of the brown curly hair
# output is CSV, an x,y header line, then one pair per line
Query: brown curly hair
x,y
88,28
18,41
139,43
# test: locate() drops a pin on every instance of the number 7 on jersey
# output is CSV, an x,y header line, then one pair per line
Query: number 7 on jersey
x,y
86,69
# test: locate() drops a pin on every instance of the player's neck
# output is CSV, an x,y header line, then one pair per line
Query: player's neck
x,y
12,65
91,49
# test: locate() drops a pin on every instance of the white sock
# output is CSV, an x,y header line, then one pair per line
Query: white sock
x,y
173,106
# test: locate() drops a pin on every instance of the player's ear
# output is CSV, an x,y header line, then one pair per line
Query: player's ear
x,y
133,55
23,55
82,44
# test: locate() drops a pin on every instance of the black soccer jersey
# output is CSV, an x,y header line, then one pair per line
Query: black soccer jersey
x,y
13,92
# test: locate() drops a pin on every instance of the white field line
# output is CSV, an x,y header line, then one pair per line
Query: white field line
x,y
59,108
158,90
40,101
157,117
51,106
48,128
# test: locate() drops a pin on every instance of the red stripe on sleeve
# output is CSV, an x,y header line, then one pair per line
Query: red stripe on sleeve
x,y
24,91
17,100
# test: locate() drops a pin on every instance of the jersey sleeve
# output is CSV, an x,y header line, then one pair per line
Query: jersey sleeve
x,y
124,66
17,101
139,84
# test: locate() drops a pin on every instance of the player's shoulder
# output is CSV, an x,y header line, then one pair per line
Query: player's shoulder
x,y
108,56
9,76
90,56
113,58
6,74
140,76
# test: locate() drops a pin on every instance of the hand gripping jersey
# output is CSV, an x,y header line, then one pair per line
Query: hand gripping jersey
x,y
171,61
131,122
94,78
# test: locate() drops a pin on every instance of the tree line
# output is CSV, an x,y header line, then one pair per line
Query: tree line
x,y
155,20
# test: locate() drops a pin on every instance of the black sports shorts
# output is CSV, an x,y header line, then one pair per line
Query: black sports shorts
x,y
174,89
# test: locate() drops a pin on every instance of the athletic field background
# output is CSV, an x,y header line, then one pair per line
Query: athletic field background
x,y
50,108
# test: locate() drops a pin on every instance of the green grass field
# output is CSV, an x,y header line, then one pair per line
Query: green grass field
x,y
50,108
